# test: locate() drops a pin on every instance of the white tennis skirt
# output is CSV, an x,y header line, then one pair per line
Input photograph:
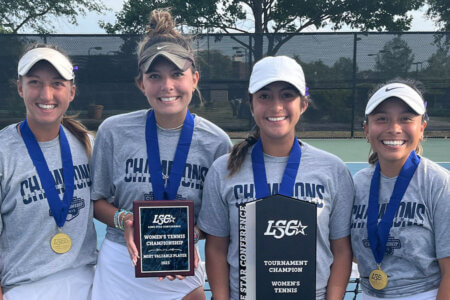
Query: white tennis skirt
x,y
115,278
72,284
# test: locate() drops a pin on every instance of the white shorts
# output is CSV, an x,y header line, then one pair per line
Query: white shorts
x,y
430,295
115,278
72,284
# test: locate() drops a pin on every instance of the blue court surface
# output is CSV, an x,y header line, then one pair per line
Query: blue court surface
x,y
354,153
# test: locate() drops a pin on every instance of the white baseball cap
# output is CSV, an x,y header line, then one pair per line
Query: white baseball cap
x,y
398,90
60,62
277,68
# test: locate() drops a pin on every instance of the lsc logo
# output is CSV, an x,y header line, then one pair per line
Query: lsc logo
x,y
280,228
163,219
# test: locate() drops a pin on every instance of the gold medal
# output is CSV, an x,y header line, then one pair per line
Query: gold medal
x,y
378,279
61,243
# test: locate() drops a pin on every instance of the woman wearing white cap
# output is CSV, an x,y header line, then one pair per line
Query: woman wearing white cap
x,y
131,146
400,218
278,97
47,236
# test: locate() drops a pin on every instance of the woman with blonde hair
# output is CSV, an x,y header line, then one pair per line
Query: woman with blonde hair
x,y
134,158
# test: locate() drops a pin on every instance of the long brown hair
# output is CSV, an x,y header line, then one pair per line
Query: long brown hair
x,y
73,125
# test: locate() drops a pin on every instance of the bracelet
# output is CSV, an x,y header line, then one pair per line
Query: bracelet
x,y
123,212
116,219
196,235
119,216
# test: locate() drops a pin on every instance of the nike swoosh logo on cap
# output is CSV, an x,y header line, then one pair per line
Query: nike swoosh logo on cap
x,y
390,89
160,47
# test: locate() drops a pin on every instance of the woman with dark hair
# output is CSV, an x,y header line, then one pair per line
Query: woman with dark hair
x,y
400,218
278,98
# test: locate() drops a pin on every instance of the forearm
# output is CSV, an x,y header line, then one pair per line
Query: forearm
x,y
104,212
217,267
444,287
340,269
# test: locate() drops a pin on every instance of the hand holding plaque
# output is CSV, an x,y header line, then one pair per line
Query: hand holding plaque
x,y
163,233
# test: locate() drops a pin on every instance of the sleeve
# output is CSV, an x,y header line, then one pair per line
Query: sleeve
x,y
1,202
102,166
224,147
441,219
213,217
344,194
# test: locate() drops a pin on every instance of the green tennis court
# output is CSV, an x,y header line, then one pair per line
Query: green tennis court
x,y
357,150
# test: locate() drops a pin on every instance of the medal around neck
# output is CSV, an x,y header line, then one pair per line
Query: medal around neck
x,y
378,279
378,232
60,242
284,223
164,227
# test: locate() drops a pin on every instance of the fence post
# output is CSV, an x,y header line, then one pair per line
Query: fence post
x,y
352,125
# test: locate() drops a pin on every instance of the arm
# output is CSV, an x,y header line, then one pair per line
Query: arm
x,y
340,269
104,212
444,287
217,268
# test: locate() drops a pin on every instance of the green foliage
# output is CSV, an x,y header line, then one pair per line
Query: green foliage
x,y
35,15
268,16
214,65
395,59
439,10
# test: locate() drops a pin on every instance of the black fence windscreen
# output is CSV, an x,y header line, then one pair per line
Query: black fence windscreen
x,y
340,70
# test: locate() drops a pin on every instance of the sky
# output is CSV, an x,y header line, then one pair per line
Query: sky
x,y
89,23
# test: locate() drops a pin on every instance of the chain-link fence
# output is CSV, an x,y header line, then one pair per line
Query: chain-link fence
x,y
340,70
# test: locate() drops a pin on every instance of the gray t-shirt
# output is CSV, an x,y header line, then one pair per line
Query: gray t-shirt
x,y
322,179
418,237
26,224
119,165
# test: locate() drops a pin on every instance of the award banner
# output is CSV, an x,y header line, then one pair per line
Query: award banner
x,y
277,249
164,237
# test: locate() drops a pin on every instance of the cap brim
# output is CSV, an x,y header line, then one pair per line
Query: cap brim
x,y
400,91
181,63
62,65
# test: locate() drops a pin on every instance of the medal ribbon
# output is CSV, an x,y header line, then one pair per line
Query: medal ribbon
x,y
289,175
160,191
378,234
58,208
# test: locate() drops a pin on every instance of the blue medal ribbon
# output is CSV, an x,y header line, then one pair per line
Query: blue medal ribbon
x,y
378,233
289,175
160,191
58,208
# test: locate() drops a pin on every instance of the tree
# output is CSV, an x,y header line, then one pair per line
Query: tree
x,y
395,59
268,16
36,15
439,10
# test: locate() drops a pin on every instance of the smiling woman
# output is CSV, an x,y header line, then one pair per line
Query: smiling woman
x,y
400,214
40,162
147,146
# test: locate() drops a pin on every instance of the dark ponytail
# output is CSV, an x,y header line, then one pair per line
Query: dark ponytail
x,y
239,151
